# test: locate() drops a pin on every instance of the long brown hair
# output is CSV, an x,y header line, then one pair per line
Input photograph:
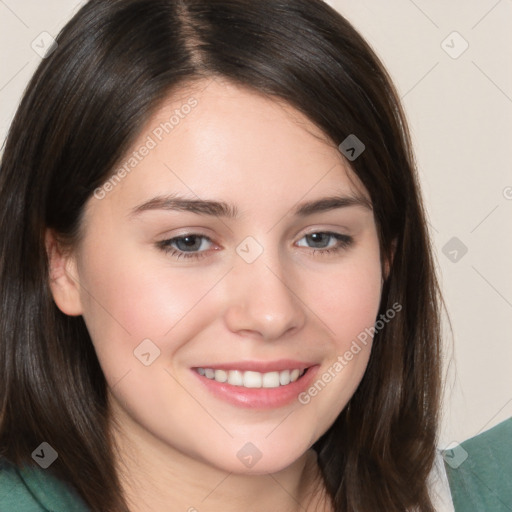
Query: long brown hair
x,y
114,63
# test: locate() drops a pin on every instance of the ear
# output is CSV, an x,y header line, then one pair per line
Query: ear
x,y
388,260
63,274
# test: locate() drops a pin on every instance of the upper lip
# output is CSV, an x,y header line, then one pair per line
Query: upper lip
x,y
260,366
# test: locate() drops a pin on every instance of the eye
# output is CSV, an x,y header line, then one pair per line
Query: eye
x,y
325,241
194,245
187,246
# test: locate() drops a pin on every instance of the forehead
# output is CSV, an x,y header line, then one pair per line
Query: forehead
x,y
214,138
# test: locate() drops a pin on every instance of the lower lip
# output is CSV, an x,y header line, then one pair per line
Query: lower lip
x,y
259,398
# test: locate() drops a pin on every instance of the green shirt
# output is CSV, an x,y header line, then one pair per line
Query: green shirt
x,y
479,471
31,489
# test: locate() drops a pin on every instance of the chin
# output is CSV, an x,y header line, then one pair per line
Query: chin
x,y
258,457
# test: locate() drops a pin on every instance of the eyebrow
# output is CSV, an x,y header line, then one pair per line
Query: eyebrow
x,y
223,209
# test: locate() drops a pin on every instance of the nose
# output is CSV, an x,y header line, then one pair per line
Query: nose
x,y
263,299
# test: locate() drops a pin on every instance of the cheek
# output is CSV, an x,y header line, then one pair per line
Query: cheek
x,y
349,298
129,299
357,303
348,303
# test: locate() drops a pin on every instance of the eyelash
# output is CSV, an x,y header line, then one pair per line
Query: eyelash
x,y
344,242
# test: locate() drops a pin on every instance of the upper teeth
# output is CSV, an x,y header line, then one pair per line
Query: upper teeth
x,y
251,379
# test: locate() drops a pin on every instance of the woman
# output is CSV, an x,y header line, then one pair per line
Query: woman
x,y
217,284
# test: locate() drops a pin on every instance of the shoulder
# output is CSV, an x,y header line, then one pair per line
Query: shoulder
x,y
479,471
14,494
29,489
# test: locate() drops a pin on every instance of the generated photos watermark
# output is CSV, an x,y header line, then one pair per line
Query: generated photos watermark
x,y
151,142
343,360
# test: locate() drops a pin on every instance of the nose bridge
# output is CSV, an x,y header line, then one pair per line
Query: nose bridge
x,y
262,300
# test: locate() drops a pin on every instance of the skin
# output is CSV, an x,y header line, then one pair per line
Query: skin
x,y
177,442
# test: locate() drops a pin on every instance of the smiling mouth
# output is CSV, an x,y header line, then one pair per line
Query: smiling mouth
x,y
252,379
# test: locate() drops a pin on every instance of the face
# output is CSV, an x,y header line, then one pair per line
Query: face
x,y
224,277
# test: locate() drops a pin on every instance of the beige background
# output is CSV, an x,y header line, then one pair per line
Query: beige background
x,y
460,112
